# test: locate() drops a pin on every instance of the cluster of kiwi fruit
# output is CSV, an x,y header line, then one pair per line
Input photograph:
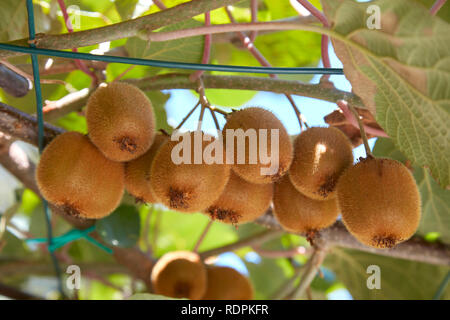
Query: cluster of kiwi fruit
x,y
85,174
315,181
182,274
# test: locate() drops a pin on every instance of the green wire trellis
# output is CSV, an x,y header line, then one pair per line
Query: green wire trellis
x,y
169,64
75,234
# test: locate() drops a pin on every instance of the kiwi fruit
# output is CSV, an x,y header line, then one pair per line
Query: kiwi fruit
x,y
300,214
73,174
137,173
258,118
120,121
379,202
241,201
226,283
321,154
187,187
179,274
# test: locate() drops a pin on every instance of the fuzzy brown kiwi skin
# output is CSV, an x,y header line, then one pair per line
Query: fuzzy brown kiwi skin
x,y
258,118
74,175
241,201
186,187
121,121
137,173
179,274
380,202
321,154
297,213
225,283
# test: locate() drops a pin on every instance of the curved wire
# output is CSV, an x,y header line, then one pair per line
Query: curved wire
x,y
169,64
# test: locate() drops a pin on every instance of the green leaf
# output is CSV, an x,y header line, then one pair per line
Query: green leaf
x,y
13,248
290,49
401,71
38,224
73,122
435,200
121,228
279,270
125,8
180,231
180,50
13,20
400,279
84,251
30,201
159,100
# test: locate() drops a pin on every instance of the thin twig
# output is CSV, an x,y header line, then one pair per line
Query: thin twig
x,y
120,76
188,115
310,272
324,39
442,287
203,101
224,113
275,254
159,4
233,27
361,128
254,18
354,121
202,236
437,6
289,285
206,49
213,115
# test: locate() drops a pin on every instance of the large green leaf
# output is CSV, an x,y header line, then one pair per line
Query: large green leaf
x,y
121,228
400,279
401,72
435,200
180,50
13,20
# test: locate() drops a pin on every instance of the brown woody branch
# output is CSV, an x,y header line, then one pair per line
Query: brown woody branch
x,y
121,30
15,294
181,81
415,249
